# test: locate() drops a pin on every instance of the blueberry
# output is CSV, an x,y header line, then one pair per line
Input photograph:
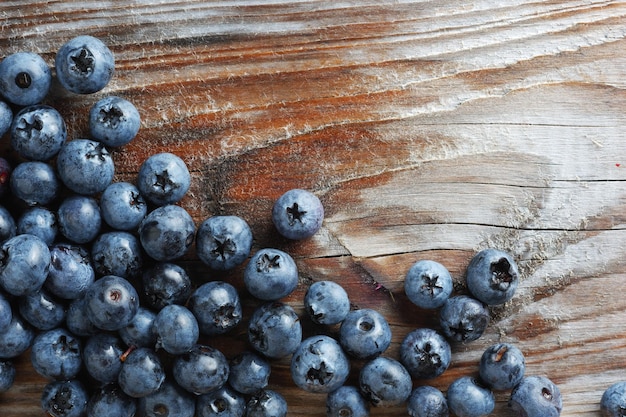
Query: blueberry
x,y
428,284
112,302
223,242
64,399
42,310
249,372
319,364
142,373
346,401
223,402
536,396
7,375
110,401
427,401
201,370
39,221
56,354
38,132
25,78
425,353
84,65
270,274
365,333
122,206
6,313
102,357
168,400
79,218
326,302
492,276
8,227
463,318
266,403
297,214
71,272
613,401
167,233
163,178
468,398
502,366
85,166
140,332
114,121
176,328
117,253
6,118
166,283
24,264
35,183
16,339
385,382
217,307
274,330
77,321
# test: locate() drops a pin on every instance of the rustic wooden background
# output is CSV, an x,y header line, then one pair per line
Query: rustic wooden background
x,y
429,129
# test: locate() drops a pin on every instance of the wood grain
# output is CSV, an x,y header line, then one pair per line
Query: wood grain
x,y
429,129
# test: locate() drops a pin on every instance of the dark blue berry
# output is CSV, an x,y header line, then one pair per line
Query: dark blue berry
x,y
274,330
77,320
365,333
176,329
169,400
428,284
16,339
35,183
319,364
217,307
6,313
6,118
326,302
57,354
42,310
114,121
267,403
271,274
492,276
64,399
613,400
163,178
38,132
25,78
102,356
167,233
79,218
346,401
7,375
223,402
385,382
463,318
298,214
84,65
142,373
201,370
110,401
536,396
112,302
223,242
122,206
427,401
502,366
166,283
249,372
39,221
117,253
85,166
425,353
140,332
467,397
8,227
71,272
24,264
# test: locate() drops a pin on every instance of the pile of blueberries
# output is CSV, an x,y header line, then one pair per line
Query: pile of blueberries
x,y
74,252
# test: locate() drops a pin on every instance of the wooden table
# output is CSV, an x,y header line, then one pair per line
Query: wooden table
x,y
429,129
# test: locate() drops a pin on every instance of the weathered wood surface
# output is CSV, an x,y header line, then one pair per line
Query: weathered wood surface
x,y
429,129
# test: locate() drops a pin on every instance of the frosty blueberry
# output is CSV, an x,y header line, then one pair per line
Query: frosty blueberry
x,y
275,330
163,178
84,65
167,232
502,366
428,284
536,396
385,382
365,333
492,276
217,307
613,401
298,214
114,121
346,401
85,166
35,183
223,242
467,397
57,354
319,364
201,370
24,264
271,274
463,318
425,353
38,132
326,302
25,78
427,401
